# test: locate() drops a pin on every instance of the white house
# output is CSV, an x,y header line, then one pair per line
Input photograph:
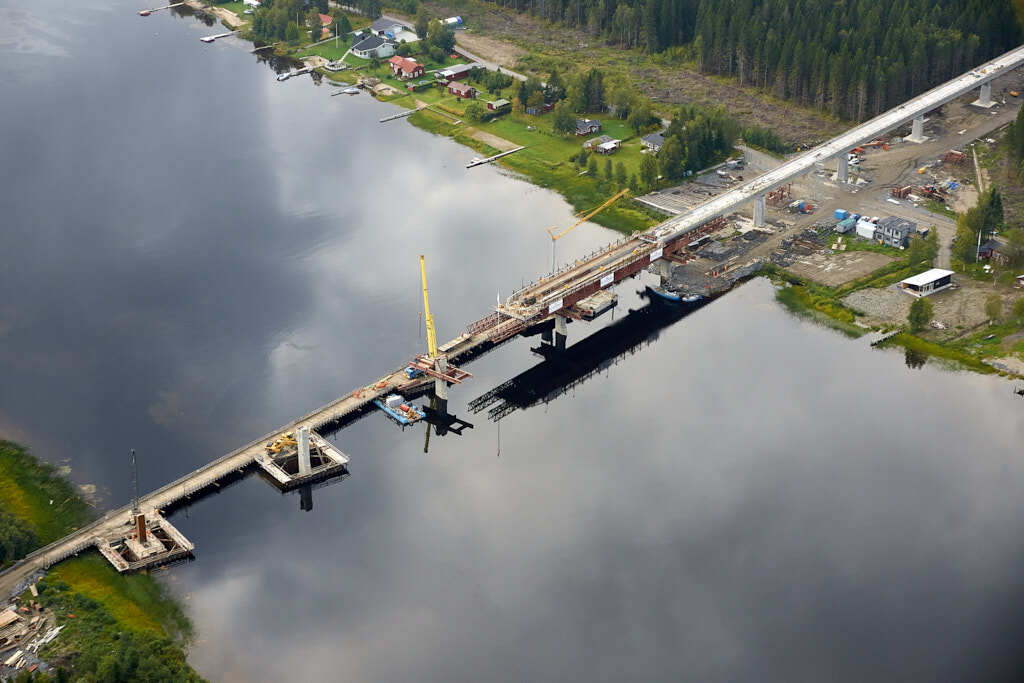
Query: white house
x,y
373,46
928,282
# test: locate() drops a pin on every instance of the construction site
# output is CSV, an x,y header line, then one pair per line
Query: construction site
x,y
701,250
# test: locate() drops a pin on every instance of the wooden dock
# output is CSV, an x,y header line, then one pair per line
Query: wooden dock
x,y
147,12
210,39
402,114
480,162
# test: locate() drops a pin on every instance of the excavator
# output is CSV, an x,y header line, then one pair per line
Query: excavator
x,y
285,441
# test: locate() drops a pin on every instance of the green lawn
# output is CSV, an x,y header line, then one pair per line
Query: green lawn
x,y
236,7
135,600
327,50
33,491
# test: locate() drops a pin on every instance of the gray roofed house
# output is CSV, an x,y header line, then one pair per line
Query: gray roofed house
x,y
587,126
895,231
986,249
382,24
599,140
393,30
373,46
654,141
455,72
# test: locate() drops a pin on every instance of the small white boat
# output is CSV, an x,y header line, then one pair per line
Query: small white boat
x,y
351,91
285,76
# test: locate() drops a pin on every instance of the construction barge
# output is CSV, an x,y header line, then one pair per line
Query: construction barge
x,y
395,407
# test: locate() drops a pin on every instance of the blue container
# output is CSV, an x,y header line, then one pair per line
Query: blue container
x,y
840,214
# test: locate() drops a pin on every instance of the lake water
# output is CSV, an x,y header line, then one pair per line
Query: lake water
x,y
194,253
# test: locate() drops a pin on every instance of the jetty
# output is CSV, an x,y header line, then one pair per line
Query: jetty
x,y
210,39
480,162
147,12
297,72
403,114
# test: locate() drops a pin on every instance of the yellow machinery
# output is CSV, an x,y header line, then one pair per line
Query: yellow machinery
x,y
429,319
554,237
286,441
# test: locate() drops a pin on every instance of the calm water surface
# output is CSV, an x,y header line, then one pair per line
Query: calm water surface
x,y
194,254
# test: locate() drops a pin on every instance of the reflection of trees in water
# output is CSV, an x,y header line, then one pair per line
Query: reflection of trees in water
x,y
277,63
183,11
915,359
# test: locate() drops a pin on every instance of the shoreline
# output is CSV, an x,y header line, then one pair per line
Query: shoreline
x,y
96,610
553,175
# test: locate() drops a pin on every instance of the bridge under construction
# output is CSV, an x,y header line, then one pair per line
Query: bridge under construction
x,y
138,535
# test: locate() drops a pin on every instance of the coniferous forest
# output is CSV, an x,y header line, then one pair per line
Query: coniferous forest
x,y
851,58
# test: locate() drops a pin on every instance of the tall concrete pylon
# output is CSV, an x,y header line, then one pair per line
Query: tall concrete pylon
x,y
440,386
561,332
302,437
843,170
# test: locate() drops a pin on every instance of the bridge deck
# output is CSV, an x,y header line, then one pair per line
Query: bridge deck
x,y
535,301
529,305
116,521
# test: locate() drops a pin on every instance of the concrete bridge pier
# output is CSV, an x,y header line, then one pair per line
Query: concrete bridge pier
x,y
843,169
985,97
302,438
561,332
760,211
440,386
917,131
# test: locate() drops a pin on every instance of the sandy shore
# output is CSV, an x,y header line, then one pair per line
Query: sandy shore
x,y
228,17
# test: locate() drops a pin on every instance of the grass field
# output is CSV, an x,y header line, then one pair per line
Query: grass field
x,y
801,300
34,492
236,7
546,161
136,601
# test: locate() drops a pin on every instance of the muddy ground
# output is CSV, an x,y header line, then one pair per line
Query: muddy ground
x,y
839,268
959,310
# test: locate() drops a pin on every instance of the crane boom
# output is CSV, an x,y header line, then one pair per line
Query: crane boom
x,y
587,217
581,221
431,332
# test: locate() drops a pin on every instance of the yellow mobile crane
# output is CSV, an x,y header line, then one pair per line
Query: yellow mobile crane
x,y
555,238
429,319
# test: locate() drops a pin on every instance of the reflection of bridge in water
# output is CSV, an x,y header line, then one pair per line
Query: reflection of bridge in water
x,y
566,369
551,300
